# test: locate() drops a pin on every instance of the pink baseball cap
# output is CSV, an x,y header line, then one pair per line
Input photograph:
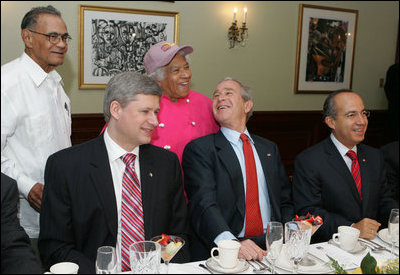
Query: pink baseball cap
x,y
161,54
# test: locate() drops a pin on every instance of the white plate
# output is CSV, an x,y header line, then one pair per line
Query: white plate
x,y
383,234
284,263
360,247
214,266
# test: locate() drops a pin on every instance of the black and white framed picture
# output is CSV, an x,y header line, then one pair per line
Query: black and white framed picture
x,y
114,40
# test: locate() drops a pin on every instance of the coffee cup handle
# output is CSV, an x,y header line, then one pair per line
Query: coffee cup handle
x,y
334,237
212,254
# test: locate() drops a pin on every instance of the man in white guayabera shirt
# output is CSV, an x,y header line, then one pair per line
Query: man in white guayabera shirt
x,y
35,111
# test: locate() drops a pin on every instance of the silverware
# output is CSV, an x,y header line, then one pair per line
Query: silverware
x,y
206,268
257,268
263,265
376,245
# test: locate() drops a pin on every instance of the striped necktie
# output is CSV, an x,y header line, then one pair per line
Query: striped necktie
x,y
355,170
254,226
132,225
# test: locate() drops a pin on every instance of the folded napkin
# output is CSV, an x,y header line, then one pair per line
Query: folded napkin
x,y
344,258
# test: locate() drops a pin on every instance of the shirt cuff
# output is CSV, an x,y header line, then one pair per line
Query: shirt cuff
x,y
25,185
226,235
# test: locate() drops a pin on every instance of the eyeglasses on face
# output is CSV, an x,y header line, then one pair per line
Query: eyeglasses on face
x,y
353,115
54,37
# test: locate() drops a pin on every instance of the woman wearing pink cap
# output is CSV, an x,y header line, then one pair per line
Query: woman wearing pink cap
x,y
184,114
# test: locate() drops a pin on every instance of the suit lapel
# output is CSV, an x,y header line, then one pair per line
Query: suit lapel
x,y
227,157
338,164
364,171
100,174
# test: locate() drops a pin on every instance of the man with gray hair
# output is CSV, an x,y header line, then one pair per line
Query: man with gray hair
x,y
235,181
35,111
115,189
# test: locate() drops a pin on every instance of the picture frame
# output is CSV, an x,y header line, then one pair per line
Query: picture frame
x,y
114,40
325,49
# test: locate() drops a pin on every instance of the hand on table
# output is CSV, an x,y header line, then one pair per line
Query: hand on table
x,y
35,196
368,228
250,251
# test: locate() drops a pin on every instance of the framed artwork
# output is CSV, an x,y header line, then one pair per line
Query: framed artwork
x,y
114,40
325,49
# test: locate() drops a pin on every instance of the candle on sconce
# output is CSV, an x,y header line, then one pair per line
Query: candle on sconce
x,y
234,14
245,15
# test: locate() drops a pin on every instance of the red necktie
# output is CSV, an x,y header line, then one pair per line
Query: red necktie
x,y
355,170
132,225
254,226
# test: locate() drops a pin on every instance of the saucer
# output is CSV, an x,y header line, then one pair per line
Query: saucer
x,y
214,266
383,234
360,247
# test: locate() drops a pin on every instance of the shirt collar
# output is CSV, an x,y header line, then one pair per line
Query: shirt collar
x,y
114,150
342,149
234,136
36,72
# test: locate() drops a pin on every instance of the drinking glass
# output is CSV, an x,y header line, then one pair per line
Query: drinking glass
x,y
274,241
145,257
393,227
297,239
106,261
170,248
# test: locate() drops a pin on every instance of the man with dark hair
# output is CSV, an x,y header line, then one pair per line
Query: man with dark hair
x,y
341,179
115,189
35,111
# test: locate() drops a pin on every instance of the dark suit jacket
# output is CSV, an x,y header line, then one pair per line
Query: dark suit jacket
x,y
391,155
17,255
214,184
323,185
79,211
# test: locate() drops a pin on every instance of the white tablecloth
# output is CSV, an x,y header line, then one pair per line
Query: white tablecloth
x,y
193,267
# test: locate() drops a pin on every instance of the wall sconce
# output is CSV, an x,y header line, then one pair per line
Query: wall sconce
x,y
236,35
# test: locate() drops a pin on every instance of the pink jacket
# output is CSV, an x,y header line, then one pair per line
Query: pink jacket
x,y
182,121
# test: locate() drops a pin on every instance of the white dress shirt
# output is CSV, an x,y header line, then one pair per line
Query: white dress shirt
x,y
343,151
115,152
263,199
35,123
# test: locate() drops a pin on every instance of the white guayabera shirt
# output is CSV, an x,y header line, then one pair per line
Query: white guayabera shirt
x,y
35,123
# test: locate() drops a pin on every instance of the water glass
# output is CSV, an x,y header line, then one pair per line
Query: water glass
x,y
297,240
106,261
393,227
145,257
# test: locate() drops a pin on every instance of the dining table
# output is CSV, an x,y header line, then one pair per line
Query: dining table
x,y
317,252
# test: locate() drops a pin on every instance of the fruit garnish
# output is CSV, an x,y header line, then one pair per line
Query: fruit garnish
x,y
164,240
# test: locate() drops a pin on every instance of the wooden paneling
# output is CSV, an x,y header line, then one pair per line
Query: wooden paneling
x,y
292,131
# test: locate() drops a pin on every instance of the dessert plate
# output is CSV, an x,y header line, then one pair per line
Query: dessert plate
x,y
383,234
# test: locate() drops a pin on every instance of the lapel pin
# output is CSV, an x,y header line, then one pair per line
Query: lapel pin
x,y
364,160
151,174
269,154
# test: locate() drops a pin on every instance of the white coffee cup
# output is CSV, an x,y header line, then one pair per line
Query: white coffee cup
x,y
348,237
228,251
64,268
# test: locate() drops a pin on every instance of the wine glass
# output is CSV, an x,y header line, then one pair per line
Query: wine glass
x,y
393,227
106,260
274,241
297,239
170,245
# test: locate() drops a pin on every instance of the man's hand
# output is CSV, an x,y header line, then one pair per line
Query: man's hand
x,y
368,228
250,251
35,196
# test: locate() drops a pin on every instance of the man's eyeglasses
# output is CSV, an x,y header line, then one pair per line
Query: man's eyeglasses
x,y
54,37
353,115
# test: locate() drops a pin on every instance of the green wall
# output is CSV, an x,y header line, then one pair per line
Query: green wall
x,y
266,64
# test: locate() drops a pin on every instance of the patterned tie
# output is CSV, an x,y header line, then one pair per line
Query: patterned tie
x,y
355,170
254,226
132,226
